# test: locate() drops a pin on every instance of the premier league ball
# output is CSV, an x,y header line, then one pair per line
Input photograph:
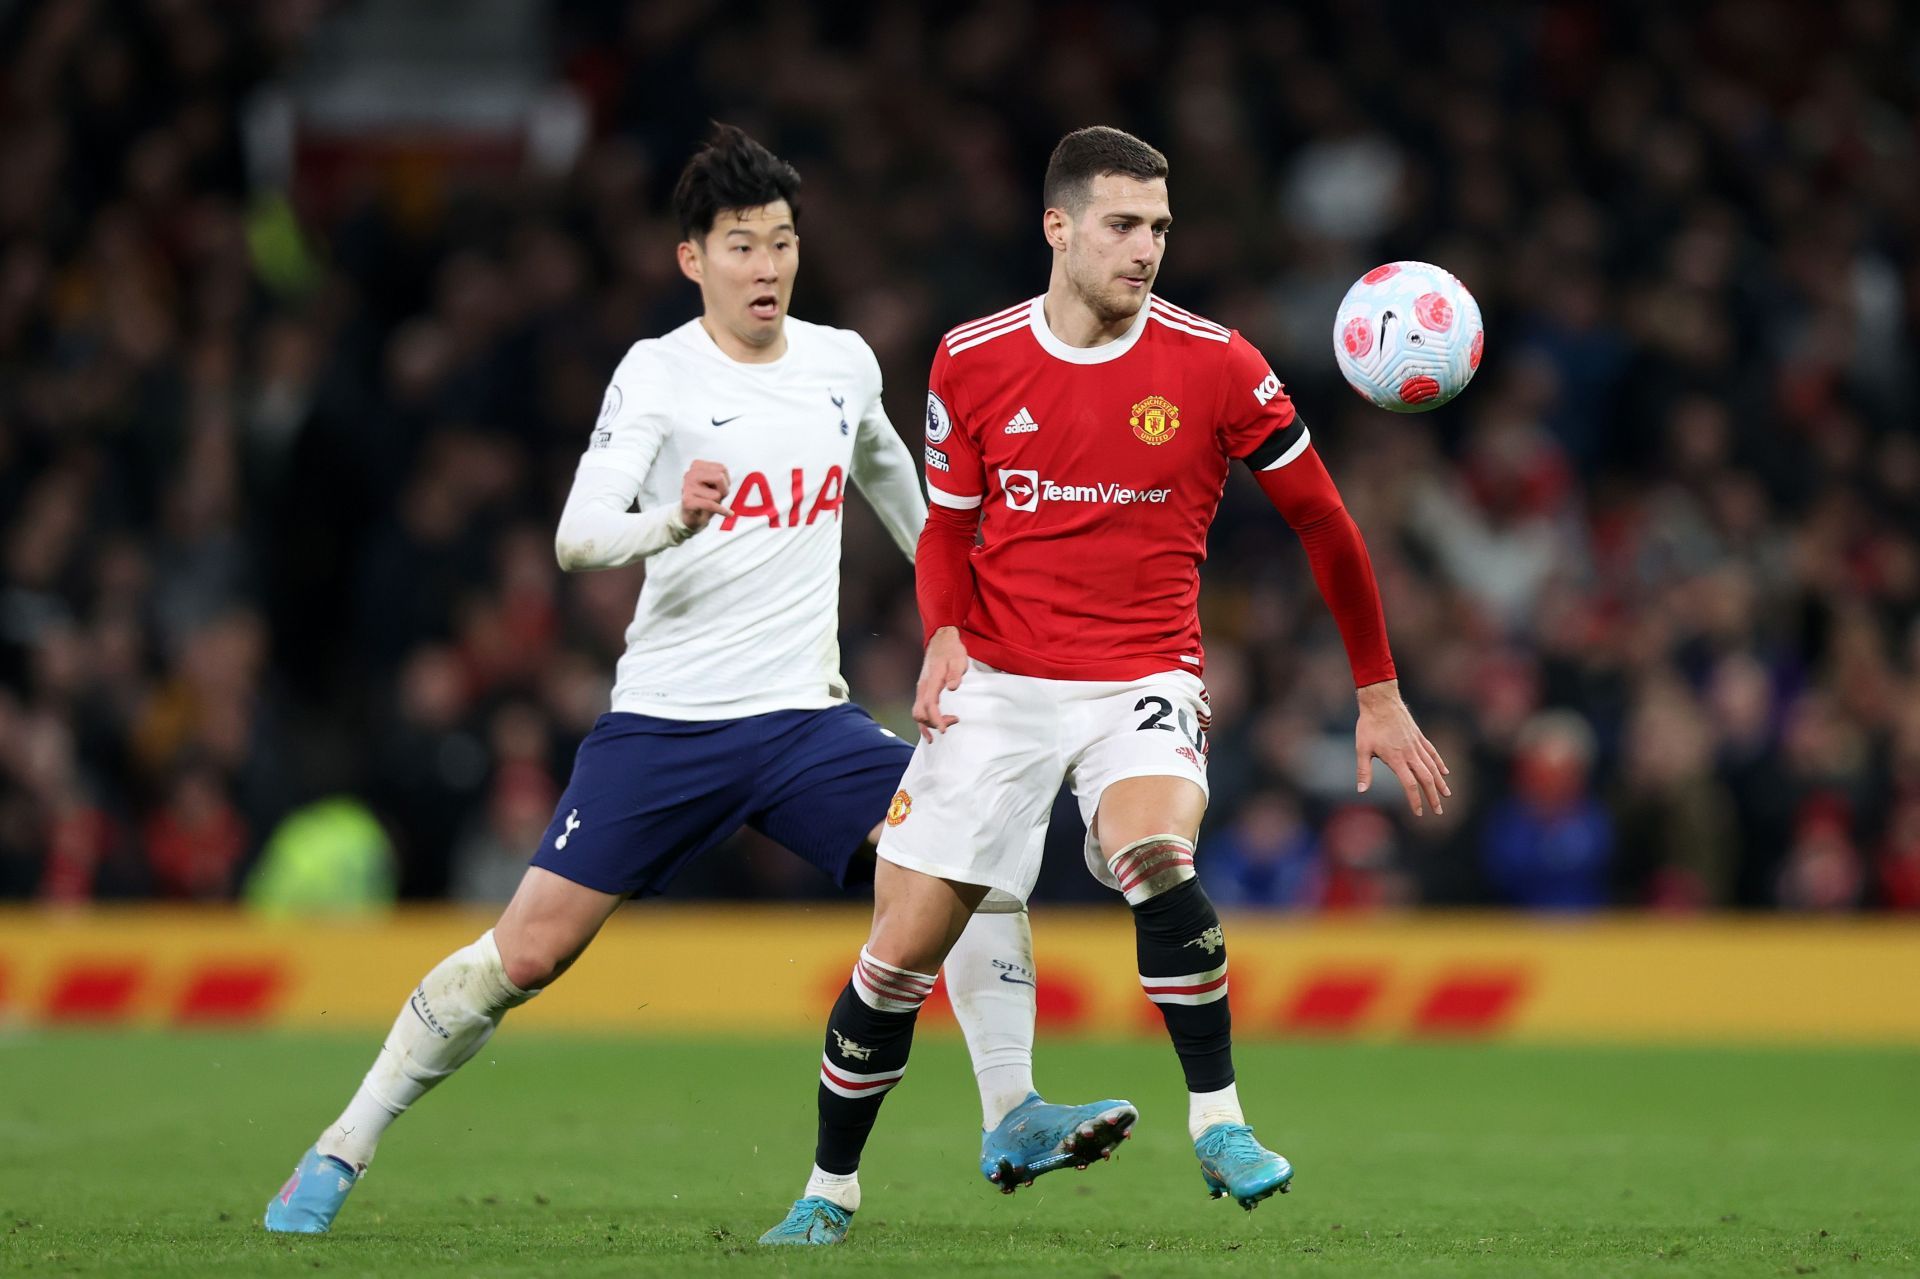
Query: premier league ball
x,y
1407,336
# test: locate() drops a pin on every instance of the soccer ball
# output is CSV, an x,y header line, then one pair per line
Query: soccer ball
x,y
1407,336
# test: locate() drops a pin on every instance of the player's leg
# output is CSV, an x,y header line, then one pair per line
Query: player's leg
x,y
609,838
991,979
916,919
1142,783
447,1020
1150,824
1147,825
991,976
460,1002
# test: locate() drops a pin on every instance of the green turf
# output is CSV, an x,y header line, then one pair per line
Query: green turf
x,y
154,1155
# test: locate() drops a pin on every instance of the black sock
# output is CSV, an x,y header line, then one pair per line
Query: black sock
x,y
1183,968
866,1054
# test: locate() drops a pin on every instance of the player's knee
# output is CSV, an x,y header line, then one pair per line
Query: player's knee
x,y
910,940
533,961
531,972
918,917
915,953
1151,867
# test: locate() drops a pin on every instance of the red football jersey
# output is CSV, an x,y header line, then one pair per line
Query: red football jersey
x,y
1097,472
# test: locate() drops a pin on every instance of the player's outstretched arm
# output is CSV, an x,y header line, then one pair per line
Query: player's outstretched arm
x,y
597,530
1306,497
1386,731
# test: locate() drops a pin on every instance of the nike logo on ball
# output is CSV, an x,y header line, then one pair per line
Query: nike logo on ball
x,y
722,421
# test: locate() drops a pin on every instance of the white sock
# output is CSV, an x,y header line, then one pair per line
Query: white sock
x,y
835,1188
352,1137
1205,1109
451,1014
990,976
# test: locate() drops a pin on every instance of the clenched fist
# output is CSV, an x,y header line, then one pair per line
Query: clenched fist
x,y
703,494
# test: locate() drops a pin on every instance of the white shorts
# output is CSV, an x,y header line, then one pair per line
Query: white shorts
x,y
974,802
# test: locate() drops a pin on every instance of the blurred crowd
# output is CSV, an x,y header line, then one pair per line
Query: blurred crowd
x,y
278,477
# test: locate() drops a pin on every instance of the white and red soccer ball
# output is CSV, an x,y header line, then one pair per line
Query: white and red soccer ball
x,y
1407,336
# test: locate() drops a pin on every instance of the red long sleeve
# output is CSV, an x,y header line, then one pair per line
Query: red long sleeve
x,y
943,567
1305,496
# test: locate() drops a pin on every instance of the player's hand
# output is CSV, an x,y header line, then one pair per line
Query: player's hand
x,y
1386,730
703,494
946,662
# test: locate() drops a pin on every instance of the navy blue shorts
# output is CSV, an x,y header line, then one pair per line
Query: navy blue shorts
x,y
649,795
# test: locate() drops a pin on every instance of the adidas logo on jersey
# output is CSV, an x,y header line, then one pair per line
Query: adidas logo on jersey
x,y
1022,423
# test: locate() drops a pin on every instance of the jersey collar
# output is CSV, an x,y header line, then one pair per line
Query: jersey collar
x,y
1037,321
702,341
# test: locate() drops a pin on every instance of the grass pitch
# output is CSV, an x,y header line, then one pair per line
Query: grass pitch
x,y
154,1155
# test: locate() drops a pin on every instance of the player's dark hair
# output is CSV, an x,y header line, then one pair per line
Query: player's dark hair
x,y
731,171
1086,154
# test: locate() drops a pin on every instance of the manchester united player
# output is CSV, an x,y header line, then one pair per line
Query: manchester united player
x,y
1084,437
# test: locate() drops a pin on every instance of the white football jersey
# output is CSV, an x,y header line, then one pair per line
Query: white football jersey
x,y
742,618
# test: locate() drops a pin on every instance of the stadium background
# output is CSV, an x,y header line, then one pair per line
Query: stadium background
x,y
305,309
305,313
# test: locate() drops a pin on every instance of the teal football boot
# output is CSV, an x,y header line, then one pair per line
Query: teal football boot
x,y
812,1220
1233,1163
311,1199
1038,1137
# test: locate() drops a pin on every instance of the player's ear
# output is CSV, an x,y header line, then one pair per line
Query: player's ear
x,y
1053,225
692,262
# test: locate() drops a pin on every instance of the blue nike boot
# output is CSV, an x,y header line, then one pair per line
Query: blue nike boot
x,y
812,1220
1038,1137
1233,1163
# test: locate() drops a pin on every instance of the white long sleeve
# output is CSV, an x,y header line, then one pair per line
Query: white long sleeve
x,y
883,468
598,531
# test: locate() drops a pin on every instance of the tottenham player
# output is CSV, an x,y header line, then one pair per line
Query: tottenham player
x,y
738,434
1083,438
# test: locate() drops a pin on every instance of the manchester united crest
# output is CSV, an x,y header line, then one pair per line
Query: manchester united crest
x,y
897,810
1154,420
